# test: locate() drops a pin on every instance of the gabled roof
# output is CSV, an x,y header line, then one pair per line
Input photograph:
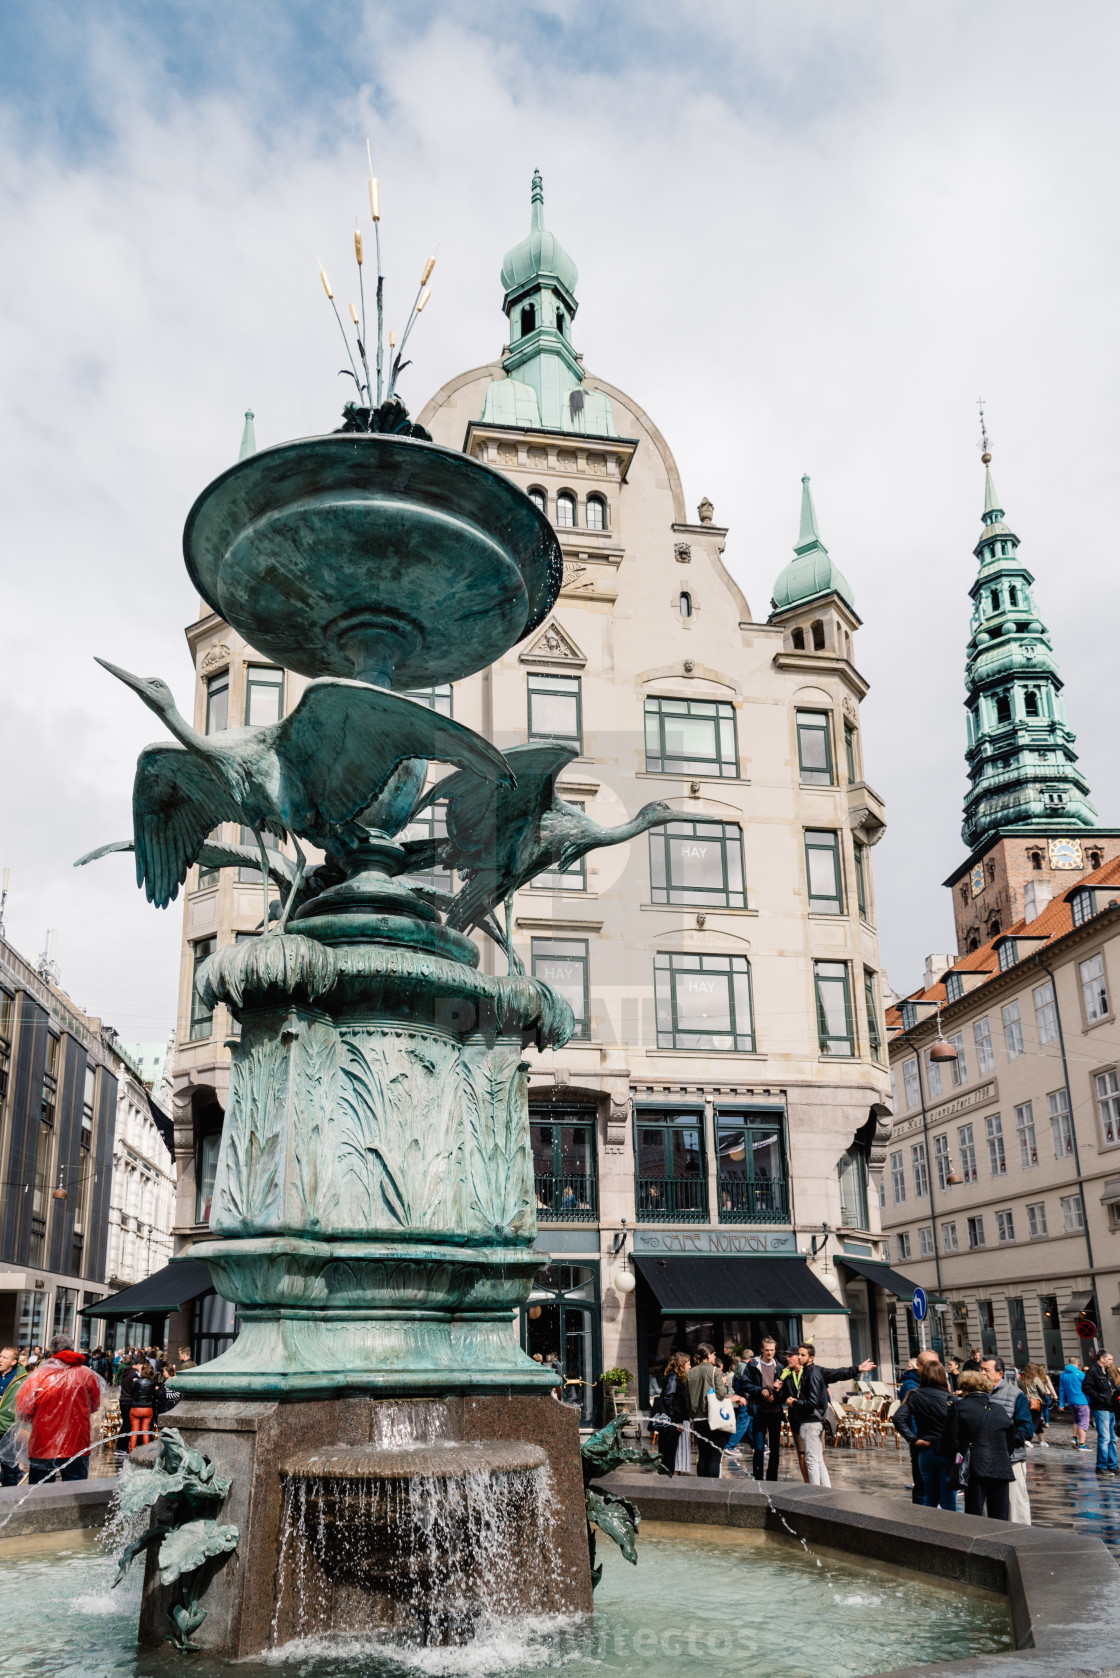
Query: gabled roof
x,y
1055,920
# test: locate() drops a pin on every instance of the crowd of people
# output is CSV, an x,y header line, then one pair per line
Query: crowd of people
x,y
968,1424
49,1399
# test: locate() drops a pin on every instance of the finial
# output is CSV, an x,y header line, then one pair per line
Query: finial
x,y
808,536
986,452
248,437
536,218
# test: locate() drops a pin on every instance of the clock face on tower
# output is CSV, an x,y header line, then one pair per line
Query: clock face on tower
x,y
977,879
1065,853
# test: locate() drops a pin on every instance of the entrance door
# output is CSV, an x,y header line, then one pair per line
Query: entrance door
x,y
560,1325
1051,1332
1018,1321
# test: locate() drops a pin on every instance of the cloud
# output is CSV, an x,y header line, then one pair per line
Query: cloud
x,y
807,242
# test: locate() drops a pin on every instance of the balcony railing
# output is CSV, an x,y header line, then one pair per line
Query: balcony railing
x,y
746,1200
672,1200
567,1199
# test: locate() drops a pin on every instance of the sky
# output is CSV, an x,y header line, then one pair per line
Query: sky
x,y
809,238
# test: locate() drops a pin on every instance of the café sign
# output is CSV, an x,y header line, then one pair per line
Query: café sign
x,y
714,1241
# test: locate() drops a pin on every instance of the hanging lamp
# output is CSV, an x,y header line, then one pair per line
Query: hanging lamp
x,y
941,1050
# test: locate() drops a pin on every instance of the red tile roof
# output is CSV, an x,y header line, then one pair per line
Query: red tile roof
x,y
1054,922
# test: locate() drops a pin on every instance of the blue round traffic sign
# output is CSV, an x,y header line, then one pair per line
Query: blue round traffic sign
x,y
919,1305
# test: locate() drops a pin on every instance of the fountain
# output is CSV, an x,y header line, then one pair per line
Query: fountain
x,y
394,1457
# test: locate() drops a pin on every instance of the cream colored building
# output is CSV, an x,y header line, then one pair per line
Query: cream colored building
x,y
1025,1243
703,1146
142,1192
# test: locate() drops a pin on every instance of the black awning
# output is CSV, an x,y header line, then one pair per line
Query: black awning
x,y
734,1284
882,1275
173,1286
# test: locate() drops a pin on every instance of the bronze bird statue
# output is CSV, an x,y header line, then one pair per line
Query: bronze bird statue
x,y
306,776
499,837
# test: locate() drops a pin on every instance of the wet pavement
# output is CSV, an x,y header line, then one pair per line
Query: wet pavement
x,y
1065,1489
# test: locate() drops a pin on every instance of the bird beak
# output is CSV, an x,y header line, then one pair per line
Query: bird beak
x,y
136,683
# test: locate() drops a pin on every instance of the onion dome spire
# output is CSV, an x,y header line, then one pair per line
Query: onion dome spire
x,y
811,571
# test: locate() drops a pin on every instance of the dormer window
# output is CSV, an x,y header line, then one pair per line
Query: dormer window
x,y
565,509
528,319
1083,906
954,987
909,1016
1008,954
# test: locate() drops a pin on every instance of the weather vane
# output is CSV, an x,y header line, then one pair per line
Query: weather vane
x,y
985,445
367,414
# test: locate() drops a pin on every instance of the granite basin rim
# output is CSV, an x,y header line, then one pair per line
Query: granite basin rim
x,y
438,1460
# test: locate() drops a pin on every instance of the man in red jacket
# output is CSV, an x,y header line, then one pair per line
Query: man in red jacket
x,y
58,1400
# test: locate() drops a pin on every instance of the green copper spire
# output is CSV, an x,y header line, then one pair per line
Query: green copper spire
x,y
248,437
543,389
1021,761
810,572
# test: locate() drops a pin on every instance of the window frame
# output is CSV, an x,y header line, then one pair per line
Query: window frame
x,y
941,1161
814,775
863,896
997,1152
950,1241
569,499
543,679
720,712
843,977
1037,1228
1013,1040
579,953
1045,1012
1108,1098
1073,1213
1026,1135
898,1177
600,501
902,1240
1093,1013
217,687
911,1086
871,1005
664,891
1061,1123
966,1147
985,1046
850,752
198,1016
1005,1226
667,1119
919,1166
253,679
665,972
976,1236
813,836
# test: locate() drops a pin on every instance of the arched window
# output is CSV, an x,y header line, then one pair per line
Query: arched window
x,y
995,600
566,508
596,513
993,929
686,604
1013,595
798,639
818,636
964,894
1030,703
973,944
539,499
1094,858
1036,861
560,322
1003,708
528,319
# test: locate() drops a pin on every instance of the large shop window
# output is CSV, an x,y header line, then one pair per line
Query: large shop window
x,y
697,863
672,1183
751,1183
564,1165
691,737
560,1327
703,1002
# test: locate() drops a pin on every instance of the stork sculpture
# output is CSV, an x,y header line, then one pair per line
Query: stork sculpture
x,y
306,776
499,837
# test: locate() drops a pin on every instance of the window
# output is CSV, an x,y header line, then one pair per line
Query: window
x,y
671,1170
976,1232
1008,954
834,1008
555,710
925,1241
862,898
562,963
1003,708
909,1015
247,875
751,1169
958,1069
596,513
1093,988
572,878
933,1076
697,863
894,1090
565,509
902,1242
1108,1104
685,604
1046,1013
797,637
871,1003
87,1109
202,1016
1036,1220
941,1161
1030,703
217,703
211,876
1012,1030
814,748
1073,1214
206,1169
264,694
910,1083
528,319
436,698
816,630
564,1165
920,1169
822,866
850,751
1060,1124
430,825
967,1145
898,1178
997,1158
1005,1225
1028,1141
852,1172
949,1239
703,1002
539,499
65,1305
1081,906
44,1148
691,737
985,1053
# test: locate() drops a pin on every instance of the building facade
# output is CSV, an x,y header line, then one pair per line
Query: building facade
x,y
60,1073
707,1146
142,1193
1001,1188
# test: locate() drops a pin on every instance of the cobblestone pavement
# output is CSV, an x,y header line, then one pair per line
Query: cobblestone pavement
x,y
1065,1489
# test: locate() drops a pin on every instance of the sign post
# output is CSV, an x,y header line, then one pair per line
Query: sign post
x,y
920,1306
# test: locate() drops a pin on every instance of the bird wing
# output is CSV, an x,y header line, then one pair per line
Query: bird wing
x,y
105,850
281,869
340,745
485,822
176,800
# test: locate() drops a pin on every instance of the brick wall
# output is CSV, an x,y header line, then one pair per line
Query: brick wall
x,y
1008,870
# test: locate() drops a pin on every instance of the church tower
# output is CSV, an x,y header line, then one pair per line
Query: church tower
x,y
1027,811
